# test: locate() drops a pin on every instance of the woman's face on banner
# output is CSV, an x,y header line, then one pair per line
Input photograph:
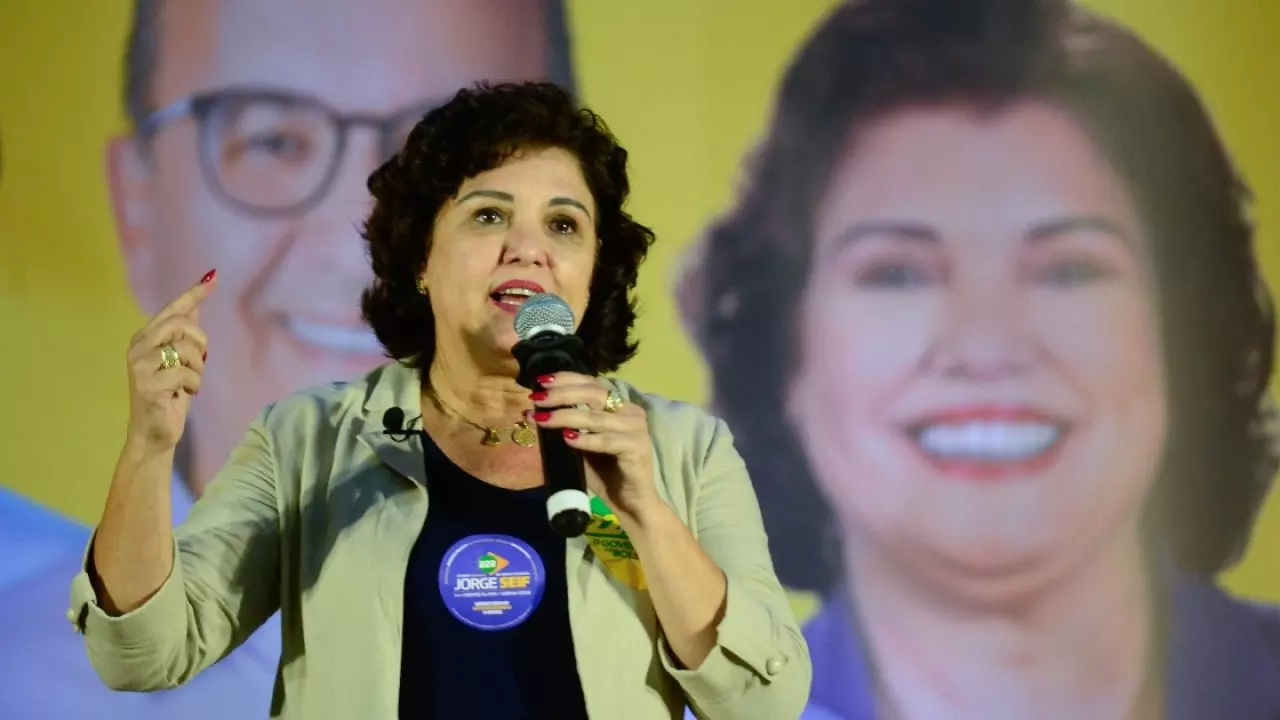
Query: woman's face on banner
x,y
980,386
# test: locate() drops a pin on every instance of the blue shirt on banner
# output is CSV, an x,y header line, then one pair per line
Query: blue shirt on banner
x,y
44,670
1222,658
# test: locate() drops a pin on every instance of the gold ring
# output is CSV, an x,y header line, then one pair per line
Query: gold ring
x,y
614,401
169,357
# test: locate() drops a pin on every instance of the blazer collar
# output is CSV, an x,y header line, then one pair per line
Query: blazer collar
x,y
394,385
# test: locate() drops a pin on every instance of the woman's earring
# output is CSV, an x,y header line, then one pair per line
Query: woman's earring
x,y
422,286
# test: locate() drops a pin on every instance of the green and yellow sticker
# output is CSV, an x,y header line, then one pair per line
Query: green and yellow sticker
x,y
612,546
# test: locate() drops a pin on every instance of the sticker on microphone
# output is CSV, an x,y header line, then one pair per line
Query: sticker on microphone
x,y
491,582
611,545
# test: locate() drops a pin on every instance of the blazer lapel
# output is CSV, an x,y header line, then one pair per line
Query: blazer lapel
x,y
397,386
582,576
592,599
403,456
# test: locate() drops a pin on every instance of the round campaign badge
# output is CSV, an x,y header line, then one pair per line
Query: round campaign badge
x,y
491,582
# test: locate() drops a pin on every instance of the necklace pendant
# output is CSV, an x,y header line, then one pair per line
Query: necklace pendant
x,y
523,435
491,437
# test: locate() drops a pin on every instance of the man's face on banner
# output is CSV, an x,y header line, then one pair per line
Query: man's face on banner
x,y
270,190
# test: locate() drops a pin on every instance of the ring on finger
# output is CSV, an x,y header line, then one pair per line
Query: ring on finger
x,y
169,357
614,401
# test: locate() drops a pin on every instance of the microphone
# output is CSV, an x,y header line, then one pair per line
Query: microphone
x,y
393,425
544,323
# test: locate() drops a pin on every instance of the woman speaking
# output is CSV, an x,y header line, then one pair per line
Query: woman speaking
x,y
476,608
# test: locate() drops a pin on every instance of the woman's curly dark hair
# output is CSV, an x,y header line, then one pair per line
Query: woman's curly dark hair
x,y
478,130
1217,325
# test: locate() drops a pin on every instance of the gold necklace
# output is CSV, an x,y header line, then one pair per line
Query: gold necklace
x,y
521,433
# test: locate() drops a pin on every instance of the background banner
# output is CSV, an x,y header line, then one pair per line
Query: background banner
x,y
141,146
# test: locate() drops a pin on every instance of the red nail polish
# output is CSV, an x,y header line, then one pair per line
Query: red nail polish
x,y
545,379
208,277
542,416
204,356
539,395
570,434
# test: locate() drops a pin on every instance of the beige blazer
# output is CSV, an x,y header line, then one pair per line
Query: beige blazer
x,y
315,514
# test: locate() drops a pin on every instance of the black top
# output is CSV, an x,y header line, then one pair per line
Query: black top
x,y
451,670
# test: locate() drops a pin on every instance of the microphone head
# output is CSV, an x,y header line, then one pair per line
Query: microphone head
x,y
393,420
541,313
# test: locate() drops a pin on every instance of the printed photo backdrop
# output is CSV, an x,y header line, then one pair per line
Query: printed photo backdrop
x,y
100,224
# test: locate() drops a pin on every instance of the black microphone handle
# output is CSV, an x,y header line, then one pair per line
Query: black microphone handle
x,y
568,505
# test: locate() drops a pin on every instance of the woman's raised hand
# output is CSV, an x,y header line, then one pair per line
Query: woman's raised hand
x,y
166,361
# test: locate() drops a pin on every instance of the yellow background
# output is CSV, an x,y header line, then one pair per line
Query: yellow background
x,y
686,85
